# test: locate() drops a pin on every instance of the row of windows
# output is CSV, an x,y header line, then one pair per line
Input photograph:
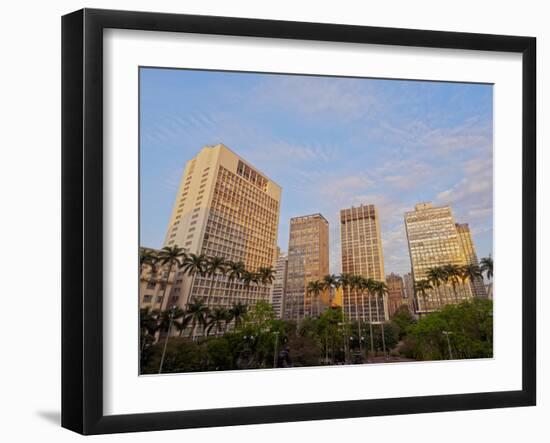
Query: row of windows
x,y
230,181
251,175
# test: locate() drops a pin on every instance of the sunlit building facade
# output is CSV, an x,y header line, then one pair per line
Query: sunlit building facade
x,y
362,255
226,208
278,290
467,244
155,285
434,242
308,260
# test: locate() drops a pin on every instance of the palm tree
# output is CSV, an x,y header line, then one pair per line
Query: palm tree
x,y
214,266
183,324
217,320
357,285
248,279
331,282
237,312
266,275
452,275
354,283
175,313
314,288
170,256
367,284
147,257
192,265
380,290
234,270
345,283
470,272
436,276
198,312
148,324
487,266
422,286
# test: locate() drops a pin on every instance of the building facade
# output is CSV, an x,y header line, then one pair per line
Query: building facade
x,y
434,242
278,291
226,208
408,284
396,293
467,244
155,285
362,255
308,260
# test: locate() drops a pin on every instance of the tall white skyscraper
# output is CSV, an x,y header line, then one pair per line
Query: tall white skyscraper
x,y
224,207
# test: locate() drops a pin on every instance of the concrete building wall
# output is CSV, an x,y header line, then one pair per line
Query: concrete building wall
x,y
308,260
433,242
278,291
362,255
224,207
396,293
467,244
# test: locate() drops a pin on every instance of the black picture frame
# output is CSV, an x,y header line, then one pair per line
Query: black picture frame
x,y
82,219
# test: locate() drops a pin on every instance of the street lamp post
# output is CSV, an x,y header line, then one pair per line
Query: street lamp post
x,y
171,318
446,334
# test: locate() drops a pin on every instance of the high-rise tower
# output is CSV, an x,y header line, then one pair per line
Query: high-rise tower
x,y
308,260
278,291
224,208
467,245
362,255
433,243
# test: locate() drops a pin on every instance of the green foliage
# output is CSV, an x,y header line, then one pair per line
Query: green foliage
x,y
391,336
403,319
471,328
218,355
182,355
214,338
305,350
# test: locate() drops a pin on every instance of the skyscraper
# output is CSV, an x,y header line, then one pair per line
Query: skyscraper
x,y
396,293
362,255
433,242
308,260
467,245
278,290
226,208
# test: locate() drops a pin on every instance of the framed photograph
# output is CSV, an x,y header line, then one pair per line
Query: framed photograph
x,y
269,221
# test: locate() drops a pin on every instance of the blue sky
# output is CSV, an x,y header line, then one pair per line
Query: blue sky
x,y
329,142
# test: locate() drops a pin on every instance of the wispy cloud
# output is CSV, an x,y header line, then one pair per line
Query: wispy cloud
x,y
330,143
472,196
312,97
